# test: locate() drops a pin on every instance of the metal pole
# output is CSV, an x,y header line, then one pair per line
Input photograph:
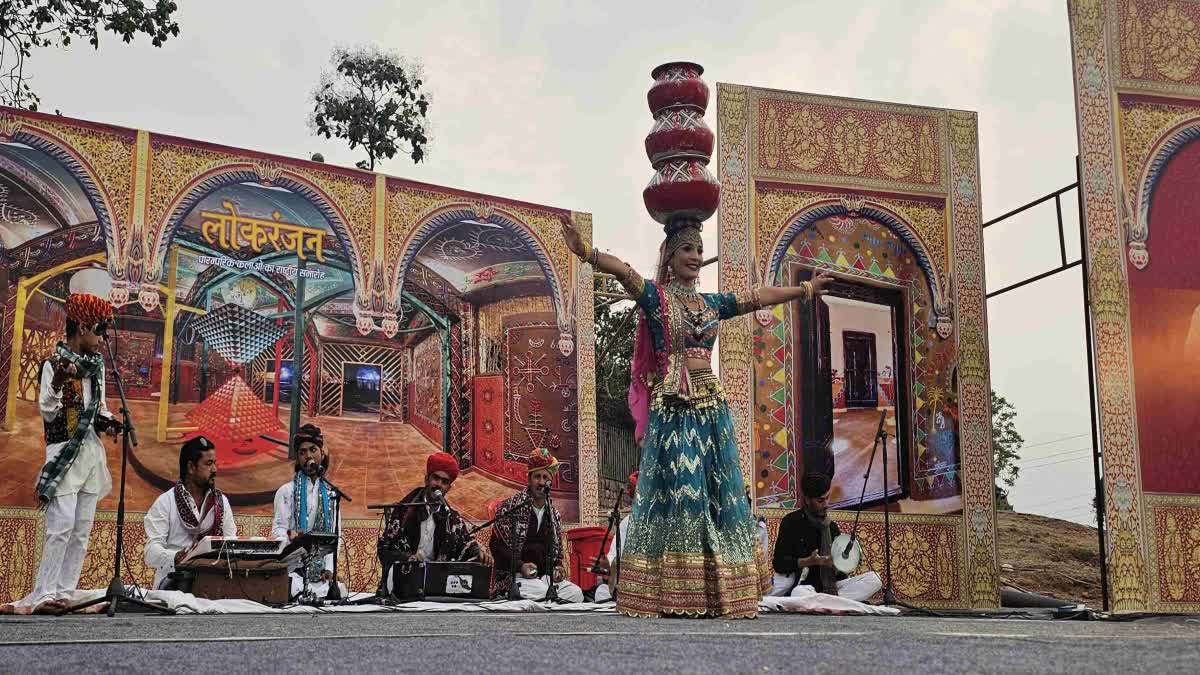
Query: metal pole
x,y
297,356
1096,454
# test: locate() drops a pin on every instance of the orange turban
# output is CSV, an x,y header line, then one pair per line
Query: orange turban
x,y
631,484
88,310
444,462
541,458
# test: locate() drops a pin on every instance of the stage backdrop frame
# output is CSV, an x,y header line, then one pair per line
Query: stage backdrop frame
x,y
1137,94
891,163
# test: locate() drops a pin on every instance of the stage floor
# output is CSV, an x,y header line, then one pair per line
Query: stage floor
x,y
374,462
592,643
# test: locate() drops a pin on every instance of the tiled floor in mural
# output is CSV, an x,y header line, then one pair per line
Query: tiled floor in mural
x,y
375,463
854,436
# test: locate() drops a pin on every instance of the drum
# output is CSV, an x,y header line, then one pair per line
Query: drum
x,y
846,553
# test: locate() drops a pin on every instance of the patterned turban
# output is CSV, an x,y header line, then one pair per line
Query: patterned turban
x,y
309,433
88,310
541,458
631,484
444,462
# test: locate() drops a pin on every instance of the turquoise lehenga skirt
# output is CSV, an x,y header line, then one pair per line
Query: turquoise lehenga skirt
x,y
693,547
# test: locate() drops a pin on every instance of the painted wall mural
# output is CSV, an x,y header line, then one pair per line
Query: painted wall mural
x,y
185,229
1137,90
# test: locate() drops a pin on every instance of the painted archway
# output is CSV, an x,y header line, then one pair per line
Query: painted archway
x,y
880,213
257,172
447,216
1165,147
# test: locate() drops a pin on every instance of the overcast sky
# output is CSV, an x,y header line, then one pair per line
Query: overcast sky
x,y
545,102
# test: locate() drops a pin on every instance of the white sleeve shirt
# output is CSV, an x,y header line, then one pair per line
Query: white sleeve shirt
x,y
166,534
282,521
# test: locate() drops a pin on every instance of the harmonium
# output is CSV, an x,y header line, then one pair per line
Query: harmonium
x,y
249,568
440,581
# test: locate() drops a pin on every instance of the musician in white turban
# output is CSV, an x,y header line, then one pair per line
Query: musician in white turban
x,y
305,504
800,566
186,513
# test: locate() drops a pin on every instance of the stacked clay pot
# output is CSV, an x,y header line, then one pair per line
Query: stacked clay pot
x,y
679,147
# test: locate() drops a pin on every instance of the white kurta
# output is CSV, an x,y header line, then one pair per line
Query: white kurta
x,y
623,528
89,472
284,510
166,534
72,510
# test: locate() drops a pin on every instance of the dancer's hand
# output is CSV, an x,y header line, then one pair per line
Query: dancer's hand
x,y
570,235
818,283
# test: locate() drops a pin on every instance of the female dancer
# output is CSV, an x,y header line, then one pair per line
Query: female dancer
x,y
693,547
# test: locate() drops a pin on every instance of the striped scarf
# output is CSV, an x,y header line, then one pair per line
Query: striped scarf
x,y
300,518
90,367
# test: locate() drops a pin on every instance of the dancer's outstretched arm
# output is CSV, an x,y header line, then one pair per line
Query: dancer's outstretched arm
x,y
623,271
774,295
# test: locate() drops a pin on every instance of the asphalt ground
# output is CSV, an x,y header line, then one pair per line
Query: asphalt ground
x,y
594,643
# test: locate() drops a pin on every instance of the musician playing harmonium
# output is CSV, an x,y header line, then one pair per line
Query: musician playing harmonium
x,y
305,504
533,537
432,531
186,513
803,557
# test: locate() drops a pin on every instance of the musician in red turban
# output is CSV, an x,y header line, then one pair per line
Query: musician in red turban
x,y
533,536
74,412
430,529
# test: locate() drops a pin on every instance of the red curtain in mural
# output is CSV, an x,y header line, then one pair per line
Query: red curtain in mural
x,y
1164,306
540,395
489,431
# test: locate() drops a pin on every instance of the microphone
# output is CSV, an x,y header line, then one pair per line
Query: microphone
x,y
849,545
440,497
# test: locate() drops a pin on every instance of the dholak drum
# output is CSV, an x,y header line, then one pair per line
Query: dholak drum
x,y
439,581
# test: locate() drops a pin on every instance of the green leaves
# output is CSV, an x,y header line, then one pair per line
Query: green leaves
x,y
1006,444
29,24
373,100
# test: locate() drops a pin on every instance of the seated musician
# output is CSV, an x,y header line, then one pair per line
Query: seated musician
x,y
533,536
610,563
186,513
798,560
314,513
420,533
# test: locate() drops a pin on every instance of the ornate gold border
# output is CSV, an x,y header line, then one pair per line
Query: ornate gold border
x,y
938,116
1104,252
1154,502
1125,83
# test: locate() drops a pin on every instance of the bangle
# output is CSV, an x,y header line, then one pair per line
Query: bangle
x,y
594,258
808,289
587,252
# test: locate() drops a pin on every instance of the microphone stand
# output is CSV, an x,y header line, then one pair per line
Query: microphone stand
x,y
551,585
889,596
117,594
881,435
381,592
514,592
335,591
